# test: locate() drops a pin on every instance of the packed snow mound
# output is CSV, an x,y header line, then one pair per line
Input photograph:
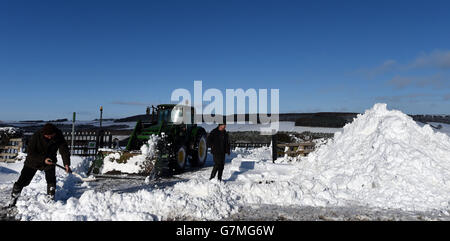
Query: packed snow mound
x,y
135,164
382,159
8,132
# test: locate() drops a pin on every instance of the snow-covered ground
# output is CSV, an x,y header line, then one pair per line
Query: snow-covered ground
x,y
383,166
285,126
254,189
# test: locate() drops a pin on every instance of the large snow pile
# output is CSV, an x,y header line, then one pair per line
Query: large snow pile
x,y
382,159
135,164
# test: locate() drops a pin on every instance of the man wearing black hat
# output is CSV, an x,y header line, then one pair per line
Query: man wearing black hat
x,y
41,155
220,145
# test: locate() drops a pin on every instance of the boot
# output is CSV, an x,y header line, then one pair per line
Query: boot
x,y
213,173
219,176
14,196
12,202
51,190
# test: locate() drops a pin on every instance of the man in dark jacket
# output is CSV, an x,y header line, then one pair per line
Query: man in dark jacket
x,y
41,155
220,145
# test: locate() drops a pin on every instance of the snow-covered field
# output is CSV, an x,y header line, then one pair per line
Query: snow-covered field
x,y
285,126
381,166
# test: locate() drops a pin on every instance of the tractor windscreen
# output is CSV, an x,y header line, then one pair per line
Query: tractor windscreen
x,y
174,115
164,115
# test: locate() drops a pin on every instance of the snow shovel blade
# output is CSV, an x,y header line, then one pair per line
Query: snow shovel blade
x,y
84,179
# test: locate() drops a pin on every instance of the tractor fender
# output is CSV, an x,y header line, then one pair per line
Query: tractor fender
x,y
197,131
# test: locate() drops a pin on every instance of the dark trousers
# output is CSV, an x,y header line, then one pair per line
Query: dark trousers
x,y
27,174
219,164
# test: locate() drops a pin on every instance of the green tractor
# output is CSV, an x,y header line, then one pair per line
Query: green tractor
x,y
182,142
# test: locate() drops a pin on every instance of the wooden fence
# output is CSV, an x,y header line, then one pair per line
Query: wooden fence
x,y
9,152
295,149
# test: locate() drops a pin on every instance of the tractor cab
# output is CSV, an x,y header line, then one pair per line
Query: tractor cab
x,y
175,114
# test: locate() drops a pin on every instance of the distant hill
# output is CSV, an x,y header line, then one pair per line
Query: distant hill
x,y
59,120
432,118
41,121
134,118
325,119
319,119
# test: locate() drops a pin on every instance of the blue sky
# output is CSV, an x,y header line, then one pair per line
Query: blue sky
x,y
57,57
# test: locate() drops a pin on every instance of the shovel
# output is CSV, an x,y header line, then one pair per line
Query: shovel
x,y
84,179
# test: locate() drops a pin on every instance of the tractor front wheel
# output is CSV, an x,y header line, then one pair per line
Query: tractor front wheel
x,y
180,158
201,151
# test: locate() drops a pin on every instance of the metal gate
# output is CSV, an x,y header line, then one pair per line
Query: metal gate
x,y
86,143
248,145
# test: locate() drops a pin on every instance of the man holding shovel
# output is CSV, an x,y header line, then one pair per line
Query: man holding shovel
x,y
41,155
